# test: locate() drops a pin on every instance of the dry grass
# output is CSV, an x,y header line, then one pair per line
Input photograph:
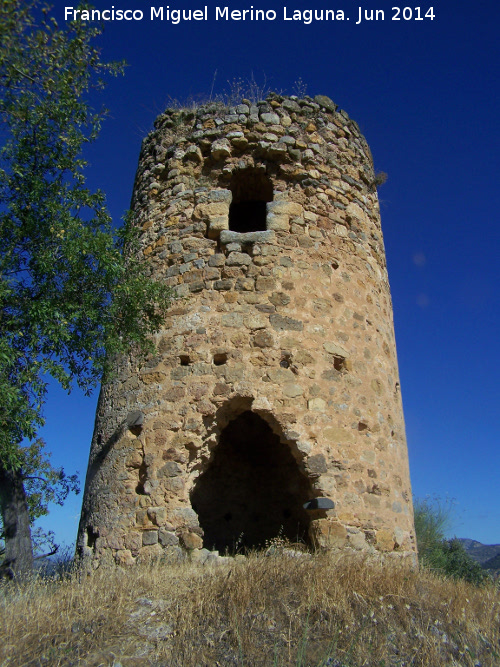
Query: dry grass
x,y
277,611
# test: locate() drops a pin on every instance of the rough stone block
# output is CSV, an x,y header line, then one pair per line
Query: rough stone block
x,y
184,517
235,373
149,537
220,194
255,321
199,556
153,378
218,259
279,299
385,540
280,375
279,223
401,538
170,469
357,540
211,210
263,339
141,517
290,209
270,118
216,224
191,540
245,284
238,259
167,539
193,153
336,350
281,323
328,534
220,149
338,435
326,102
124,558
317,404
225,284
211,273
303,357
229,236
157,515
115,541
150,553
292,390
356,212
317,464
232,320
133,541
265,284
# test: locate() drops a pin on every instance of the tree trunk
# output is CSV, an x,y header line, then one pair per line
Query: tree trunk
x,y
18,557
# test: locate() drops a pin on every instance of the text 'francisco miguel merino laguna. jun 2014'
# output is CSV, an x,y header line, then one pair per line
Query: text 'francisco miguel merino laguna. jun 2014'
x,y
283,14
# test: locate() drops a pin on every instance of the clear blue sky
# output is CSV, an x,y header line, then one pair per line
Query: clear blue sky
x,y
426,96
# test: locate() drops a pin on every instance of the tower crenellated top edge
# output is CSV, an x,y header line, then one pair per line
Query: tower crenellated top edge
x,y
291,103
252,113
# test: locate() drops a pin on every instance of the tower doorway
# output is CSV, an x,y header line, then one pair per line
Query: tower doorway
x,y
252,491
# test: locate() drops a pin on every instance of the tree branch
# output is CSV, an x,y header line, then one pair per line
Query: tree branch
x,y
51,553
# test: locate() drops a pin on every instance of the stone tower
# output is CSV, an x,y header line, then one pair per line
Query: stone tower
x,y
273,404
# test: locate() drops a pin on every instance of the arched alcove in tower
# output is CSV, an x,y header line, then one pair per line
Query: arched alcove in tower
x,y
253,489
251,190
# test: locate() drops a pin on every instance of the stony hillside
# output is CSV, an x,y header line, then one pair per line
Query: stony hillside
x,y
283,610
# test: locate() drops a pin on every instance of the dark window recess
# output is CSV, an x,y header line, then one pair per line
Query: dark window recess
x,y
339,363
92,536
252,190
286,360
220,358
143,475
185,359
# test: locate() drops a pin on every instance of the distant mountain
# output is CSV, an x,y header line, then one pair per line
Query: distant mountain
x,y
487,555
493,564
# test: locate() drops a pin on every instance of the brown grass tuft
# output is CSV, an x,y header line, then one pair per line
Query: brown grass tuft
x,y
268,610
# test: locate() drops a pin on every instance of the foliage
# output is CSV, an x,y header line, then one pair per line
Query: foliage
x,y
44,485
380,179
451,558
72,290
239,88
232,94
300,87
432,518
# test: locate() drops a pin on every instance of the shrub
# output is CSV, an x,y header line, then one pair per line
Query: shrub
x,y
380,179
435,551
450,557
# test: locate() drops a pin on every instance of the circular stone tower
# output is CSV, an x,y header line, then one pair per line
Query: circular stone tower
x,y
273,406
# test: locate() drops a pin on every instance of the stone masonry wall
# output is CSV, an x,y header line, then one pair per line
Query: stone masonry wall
x,y
287,328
